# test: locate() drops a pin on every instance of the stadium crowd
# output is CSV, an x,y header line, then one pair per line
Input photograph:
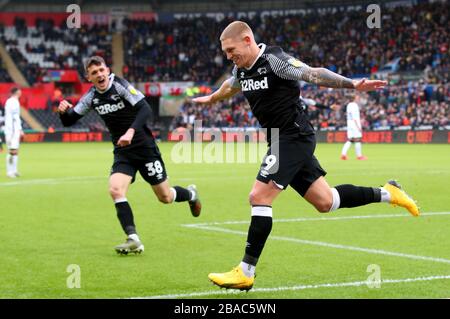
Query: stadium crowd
x,y
415,37
189,50
47,46
342,45
4,76
185,50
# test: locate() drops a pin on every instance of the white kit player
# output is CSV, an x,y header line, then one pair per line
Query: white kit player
x,y
354,129
13,132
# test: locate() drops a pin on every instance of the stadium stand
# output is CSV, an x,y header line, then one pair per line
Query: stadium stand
x,y
4,76
185,50
48,46
359,52
337,42
188,49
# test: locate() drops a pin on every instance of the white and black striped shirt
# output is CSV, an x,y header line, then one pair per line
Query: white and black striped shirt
x,y
271,86
116,106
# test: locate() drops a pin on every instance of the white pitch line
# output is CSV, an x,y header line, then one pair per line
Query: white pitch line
x,y
82,179
292,288
71,179
307,219
330,245
52,181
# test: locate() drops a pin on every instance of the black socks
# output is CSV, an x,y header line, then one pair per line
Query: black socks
x,y
125,215
258,232
354,196
182,194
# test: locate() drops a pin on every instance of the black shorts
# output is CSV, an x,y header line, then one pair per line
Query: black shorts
x,y
291,161
147,161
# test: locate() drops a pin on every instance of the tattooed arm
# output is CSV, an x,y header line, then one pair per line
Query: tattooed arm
x,y
287,67
325,77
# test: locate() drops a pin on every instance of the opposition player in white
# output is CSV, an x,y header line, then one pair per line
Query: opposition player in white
x,y
354,129
13,132
2,119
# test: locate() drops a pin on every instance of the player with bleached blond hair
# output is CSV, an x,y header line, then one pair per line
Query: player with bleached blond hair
x,y
269,79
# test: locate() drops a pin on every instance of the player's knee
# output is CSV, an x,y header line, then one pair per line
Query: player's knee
x,y
324,205
256,198
116,192
251,198
165,198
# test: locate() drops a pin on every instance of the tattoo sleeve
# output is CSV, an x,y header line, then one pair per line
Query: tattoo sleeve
x,y
287,67
325,77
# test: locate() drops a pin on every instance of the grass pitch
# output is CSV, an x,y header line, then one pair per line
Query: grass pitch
x,y
59,214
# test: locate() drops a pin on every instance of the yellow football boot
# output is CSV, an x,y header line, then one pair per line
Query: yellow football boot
x,y
234,279
400,198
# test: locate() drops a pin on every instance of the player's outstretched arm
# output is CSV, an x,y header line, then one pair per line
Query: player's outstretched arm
x,y
290,68
225,91
66,113
327,78
369,85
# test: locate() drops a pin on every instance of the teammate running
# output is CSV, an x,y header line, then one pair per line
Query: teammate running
x,y
125,112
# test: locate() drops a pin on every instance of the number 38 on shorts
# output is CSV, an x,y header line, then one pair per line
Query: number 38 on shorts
x,y
154,168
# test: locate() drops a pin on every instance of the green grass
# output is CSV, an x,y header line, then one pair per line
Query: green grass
x,y
59,213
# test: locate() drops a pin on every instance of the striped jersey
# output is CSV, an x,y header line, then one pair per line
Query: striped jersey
x,y
116,108
271,86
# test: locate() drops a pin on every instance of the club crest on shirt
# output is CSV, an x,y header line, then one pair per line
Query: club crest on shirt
x,y
262,71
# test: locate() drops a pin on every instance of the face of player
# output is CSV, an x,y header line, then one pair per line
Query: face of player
x,y
362,100
99,76
238,51
18,94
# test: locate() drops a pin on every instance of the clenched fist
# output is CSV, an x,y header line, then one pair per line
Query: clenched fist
x,y
63,106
